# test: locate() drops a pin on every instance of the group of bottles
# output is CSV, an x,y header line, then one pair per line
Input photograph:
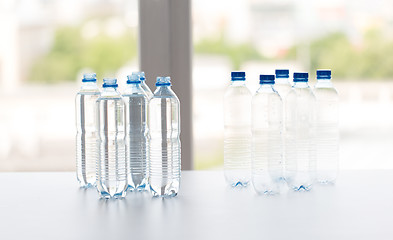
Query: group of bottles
x,y
284,134
128,141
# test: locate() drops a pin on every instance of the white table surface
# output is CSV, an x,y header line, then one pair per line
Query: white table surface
x,y
51,206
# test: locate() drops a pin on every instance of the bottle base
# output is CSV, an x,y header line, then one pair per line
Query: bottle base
x,y
141,188
302,188
267,192
267,189
238,178
86,182
239,184
114,190
167,191
106,195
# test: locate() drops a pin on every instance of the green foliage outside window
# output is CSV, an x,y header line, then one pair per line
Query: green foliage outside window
x,y
71,53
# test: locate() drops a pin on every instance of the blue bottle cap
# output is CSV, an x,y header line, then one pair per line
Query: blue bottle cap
x,y
110,82
282,73
238,76
133,78
266,79
163,81
324,74
300,77
89,77
142,76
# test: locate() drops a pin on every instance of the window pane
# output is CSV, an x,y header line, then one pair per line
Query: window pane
x,y
45,46
354,39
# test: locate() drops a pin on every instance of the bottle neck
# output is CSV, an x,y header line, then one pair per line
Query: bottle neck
x,y
133,85
301,85
110,92
133,88
324,83
89,86
163,88
282,80
238,83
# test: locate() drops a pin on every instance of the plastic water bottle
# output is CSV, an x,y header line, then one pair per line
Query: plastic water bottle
x,y
283,86
300,131
112,166
237,131
86,137
327,131
267,116
144,86
136,102
164,131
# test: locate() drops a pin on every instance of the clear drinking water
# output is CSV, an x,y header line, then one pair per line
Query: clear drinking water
x,y
283,86
164,131
136,102
86,137
144,86
327,131
112,166
237,132
300,135
266,122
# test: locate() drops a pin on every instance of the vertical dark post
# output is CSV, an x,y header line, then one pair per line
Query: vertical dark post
x,y
165,47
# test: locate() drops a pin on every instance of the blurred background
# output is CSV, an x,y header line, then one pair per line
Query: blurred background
x,y
46,45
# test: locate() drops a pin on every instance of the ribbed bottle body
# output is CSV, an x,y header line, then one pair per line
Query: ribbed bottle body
x,y
300,162
112,167
283,87
164,143
86,136
327,132
137,138
267,160
237,134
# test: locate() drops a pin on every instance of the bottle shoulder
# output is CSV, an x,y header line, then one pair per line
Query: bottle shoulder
x,y
131,92
164,92
271,93
85,95
241,90
158,100
114,96
146,87
295,92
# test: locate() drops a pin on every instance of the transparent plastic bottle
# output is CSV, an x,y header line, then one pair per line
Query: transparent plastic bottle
x,y
144,86
164,131
327,131
237,131
112,166
86,137
300,135
266,122
136,102
283,86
